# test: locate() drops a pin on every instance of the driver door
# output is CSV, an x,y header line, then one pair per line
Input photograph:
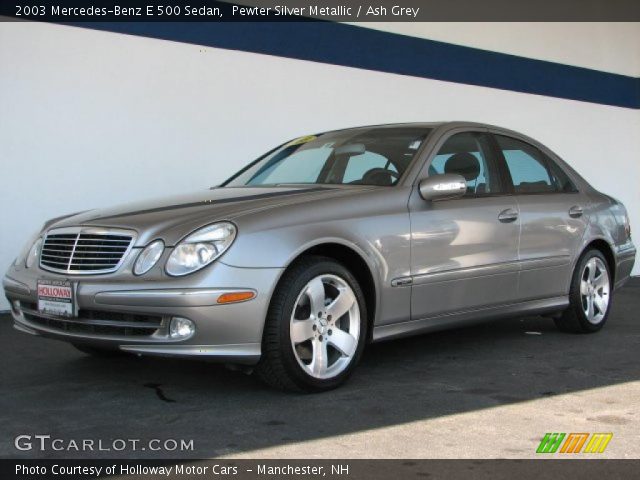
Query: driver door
x,y
464,251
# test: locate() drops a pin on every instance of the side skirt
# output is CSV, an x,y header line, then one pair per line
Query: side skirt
x,y
469,317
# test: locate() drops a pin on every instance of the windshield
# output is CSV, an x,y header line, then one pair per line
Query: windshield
x,y
374,156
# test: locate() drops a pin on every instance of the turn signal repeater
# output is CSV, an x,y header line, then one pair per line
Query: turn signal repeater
x,y
235,297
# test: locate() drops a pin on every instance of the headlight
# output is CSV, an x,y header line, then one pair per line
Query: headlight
x,y
22,255
20,259
200,248
34,253
26,249
148,257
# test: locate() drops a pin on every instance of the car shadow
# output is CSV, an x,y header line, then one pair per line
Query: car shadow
x,y
48,387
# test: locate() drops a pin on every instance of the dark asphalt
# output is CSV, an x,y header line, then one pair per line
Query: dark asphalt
x,y
47,387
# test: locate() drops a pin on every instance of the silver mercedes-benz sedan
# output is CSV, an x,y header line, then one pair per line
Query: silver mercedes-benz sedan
x,y
328,242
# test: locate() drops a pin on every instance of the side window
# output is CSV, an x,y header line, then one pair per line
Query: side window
x,y
359,165
468,154
560,179
529,168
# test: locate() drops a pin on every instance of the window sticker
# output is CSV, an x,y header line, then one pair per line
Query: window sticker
x,y
301,140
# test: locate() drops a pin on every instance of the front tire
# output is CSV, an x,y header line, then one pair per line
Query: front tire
x,y
316,327
589,296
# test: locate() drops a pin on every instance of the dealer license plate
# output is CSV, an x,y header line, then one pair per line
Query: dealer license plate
x,y
55,297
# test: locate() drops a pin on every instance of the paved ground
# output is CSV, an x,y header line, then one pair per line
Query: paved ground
x,y
486,391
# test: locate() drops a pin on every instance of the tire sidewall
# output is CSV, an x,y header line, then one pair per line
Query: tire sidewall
x,y
290,362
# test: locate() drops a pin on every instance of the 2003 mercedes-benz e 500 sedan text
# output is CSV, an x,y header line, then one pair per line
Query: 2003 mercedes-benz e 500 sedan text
x,y
326,243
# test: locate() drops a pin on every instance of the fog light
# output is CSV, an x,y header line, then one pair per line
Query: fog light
x,y
15,306
181,328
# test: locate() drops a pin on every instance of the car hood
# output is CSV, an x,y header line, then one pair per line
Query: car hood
x,y
172,218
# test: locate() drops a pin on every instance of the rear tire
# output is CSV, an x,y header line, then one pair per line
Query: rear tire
x,y
100,352
590,295
315,329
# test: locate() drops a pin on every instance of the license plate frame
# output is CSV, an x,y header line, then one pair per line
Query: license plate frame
x,y
57,298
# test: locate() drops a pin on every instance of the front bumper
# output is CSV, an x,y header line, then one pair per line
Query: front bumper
x,y
133,314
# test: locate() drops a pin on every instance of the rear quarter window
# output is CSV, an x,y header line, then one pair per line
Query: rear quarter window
x,y
531,170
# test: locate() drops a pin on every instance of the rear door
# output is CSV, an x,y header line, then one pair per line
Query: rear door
x,y
464,251
551,218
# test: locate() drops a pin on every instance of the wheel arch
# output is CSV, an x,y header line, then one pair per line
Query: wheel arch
x,y
606,249
355,261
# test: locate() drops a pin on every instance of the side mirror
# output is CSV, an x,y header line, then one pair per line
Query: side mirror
x,y
443,187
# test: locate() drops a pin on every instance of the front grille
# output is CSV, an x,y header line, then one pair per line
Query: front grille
x,y
84,250
94,322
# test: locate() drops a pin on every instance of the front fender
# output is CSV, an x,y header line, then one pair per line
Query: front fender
x,y
377,229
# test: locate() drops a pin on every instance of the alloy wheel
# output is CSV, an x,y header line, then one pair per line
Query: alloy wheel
x,y
325,326
594,290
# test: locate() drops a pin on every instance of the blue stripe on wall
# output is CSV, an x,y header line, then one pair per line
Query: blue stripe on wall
x,y
352,46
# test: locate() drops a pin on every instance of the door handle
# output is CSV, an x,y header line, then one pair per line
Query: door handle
x,y
508,215
575,211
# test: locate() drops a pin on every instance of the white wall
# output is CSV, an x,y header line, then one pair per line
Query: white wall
x,y
89,119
